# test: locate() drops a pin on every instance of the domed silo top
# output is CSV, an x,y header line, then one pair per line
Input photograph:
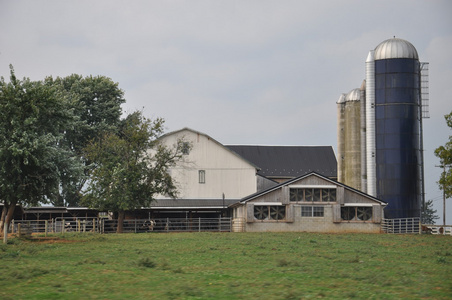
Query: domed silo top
x,y
341,99
395,48
353,95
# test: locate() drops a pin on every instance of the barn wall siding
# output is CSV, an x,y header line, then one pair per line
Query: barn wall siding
x,y
331,222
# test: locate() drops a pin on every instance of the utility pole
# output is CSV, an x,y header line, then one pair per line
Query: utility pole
x,y
444,193
444,197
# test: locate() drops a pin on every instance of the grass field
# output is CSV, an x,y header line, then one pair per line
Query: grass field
x,y
227,266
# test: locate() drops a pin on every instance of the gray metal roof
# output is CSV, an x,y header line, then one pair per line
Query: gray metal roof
x,y
353,95
289,161
395,48
341,98
192,203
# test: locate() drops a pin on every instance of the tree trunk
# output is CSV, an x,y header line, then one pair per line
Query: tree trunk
x,y
8,214
121,215
3,217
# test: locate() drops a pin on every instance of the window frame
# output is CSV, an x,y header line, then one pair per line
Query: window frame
x,y
185,148
312,210
202,176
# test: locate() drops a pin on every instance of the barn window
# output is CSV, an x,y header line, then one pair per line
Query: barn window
x,y
306,211
312,211
356,213
185,148
317,211
312,195
202,176
270,212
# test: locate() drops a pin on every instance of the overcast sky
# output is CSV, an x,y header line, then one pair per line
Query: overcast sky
x,y
243,72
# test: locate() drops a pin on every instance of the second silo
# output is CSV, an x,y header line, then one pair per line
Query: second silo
x,y
352,147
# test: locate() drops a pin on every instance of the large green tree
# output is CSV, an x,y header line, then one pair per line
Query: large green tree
x,y
131,167
444,153
33,117
96,101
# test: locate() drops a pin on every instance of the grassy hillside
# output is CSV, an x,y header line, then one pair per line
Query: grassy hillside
x,y
227,266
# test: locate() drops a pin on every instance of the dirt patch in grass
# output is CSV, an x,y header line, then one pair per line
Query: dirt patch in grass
x,y
51,240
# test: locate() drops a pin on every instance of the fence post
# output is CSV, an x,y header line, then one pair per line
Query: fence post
x,y
63,225
45,228
199,225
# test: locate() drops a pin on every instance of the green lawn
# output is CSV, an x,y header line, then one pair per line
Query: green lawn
x,y
227,266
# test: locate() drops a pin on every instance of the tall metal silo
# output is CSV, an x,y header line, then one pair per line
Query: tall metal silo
x,y
397,150
352,147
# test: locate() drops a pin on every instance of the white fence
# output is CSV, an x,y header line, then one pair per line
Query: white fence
x,y
437,229
413,225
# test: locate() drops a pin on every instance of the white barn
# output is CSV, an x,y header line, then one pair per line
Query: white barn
x,y
209,178
265,188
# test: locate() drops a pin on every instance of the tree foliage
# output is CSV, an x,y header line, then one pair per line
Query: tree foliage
x,y
444,153
96,101
428,213
33,118
131,167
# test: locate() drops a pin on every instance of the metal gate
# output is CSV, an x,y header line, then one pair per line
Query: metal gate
x,y
103,225
62,225
405,225
169,225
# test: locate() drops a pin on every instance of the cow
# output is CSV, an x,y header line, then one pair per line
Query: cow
x,y
148,225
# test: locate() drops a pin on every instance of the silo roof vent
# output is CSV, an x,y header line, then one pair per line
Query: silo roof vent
x,y
395,48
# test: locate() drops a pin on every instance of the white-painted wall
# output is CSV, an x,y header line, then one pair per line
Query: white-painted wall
x,y
225,172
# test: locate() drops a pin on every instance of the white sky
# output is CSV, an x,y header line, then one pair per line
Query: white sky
x,y
243,72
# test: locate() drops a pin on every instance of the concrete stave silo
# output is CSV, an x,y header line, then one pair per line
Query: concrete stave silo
x,y
352,125
341,137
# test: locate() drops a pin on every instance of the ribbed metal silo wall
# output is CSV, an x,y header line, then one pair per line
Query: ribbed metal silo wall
x,y
397,136
340,140
363,138
370,125
353,144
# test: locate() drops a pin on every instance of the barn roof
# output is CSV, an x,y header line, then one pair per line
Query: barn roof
x,y
213,140
289,161
192,203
